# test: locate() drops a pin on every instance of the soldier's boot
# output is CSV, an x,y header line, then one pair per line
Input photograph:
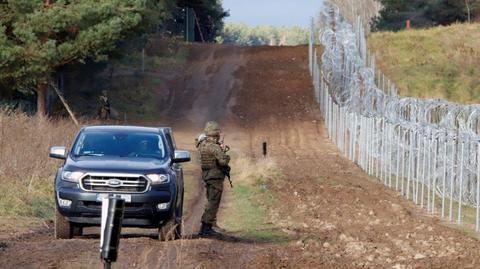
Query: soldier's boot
x,y
203,229
207,231
217,228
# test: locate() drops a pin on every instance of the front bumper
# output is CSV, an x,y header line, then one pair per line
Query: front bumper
x,y
140,212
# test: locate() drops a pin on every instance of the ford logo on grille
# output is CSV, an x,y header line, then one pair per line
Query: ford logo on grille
x,y
114,183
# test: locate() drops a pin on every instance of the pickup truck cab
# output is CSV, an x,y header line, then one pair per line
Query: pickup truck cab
x,y
140,164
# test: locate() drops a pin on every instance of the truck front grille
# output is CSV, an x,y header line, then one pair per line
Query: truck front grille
x,y
115,183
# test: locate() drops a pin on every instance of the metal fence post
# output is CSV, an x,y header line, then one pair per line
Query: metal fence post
x,y
380,147
477,220
398,156
382,151
404,140
452,176
385,154
409,166
367,144
444,176
429,172
423,170
345,128
460,195
435,175
390,131
372,144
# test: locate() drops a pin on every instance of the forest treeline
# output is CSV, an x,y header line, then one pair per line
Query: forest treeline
x,y
392,15
243,34
424,13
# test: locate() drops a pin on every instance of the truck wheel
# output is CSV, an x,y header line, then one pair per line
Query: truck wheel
x,y
179,221
167,231
77,230
63,227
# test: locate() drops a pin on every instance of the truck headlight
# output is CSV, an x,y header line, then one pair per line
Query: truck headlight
x,y
72,176
163,206
158,179
63,202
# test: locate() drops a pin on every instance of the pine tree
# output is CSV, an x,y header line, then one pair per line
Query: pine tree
x,y
37,38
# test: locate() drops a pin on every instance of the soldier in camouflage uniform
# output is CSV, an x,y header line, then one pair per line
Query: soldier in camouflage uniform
x,y
214,161
104,110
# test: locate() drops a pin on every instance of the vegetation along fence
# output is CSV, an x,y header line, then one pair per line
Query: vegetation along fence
x,y
428,150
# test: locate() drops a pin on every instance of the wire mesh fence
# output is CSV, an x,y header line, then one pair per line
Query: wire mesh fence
x,y
426,149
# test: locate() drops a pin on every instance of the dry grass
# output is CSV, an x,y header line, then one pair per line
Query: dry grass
x,y
249,172
441,62
26,171
248,210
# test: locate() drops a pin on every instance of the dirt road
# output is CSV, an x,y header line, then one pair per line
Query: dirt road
x,y
336,216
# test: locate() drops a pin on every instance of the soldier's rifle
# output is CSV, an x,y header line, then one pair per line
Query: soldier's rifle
x,y
227,168
222,143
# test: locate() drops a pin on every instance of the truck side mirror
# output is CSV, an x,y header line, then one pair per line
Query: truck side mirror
x,y
181,156
58,153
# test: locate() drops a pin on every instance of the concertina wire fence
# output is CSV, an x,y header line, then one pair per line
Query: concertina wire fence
x,y
428,150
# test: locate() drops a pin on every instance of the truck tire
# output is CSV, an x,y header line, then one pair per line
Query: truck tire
x,y
179,221
172,228
77,230
63,227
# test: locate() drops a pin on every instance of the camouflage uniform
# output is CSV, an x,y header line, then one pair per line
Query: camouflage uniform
x,y
214,161
104,111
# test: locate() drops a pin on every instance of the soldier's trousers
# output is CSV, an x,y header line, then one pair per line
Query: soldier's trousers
x,y
104,113
214,189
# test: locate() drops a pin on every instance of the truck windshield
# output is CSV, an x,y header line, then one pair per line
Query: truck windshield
x,y
131,144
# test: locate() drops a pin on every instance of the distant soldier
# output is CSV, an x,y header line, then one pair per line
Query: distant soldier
x,y
214,161
104,110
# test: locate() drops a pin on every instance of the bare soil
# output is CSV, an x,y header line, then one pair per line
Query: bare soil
x,y
336,216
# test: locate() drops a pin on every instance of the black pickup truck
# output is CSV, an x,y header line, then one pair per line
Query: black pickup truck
x,y
139,164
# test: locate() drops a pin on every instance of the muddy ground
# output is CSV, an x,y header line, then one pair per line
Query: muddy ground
x,y
335,215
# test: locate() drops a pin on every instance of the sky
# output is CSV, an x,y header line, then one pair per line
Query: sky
x,y
272,12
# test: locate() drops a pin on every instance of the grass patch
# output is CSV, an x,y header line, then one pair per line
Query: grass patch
x,y
27,199
440,62
249,216
248,211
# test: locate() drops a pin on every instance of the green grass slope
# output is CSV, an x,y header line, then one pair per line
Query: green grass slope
x,y
441,62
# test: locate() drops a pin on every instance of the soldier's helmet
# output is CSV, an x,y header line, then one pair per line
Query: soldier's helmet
x,y
104,92
212,129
